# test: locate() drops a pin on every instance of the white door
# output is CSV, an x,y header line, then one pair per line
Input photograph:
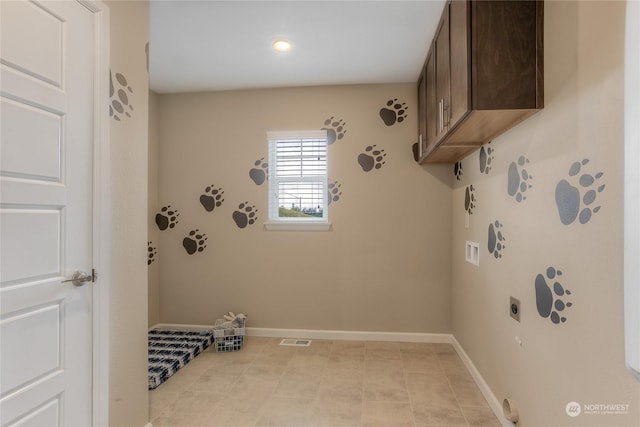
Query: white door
x,y
46,109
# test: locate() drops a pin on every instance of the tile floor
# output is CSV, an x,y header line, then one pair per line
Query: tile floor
x,y
329,384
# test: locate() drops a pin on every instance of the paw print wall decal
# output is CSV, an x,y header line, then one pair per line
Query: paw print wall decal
x,y
259,172
246,214
518,179
151,253
485,157
415,150
551,304
457,170
371,158
212,198
394,112
194,242
119,103
576,201
495,240
336,129
334,191
167,218
469,199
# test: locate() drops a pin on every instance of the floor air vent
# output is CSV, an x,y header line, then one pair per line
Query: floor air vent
x,y
295,342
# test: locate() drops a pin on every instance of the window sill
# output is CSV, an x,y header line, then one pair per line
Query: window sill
x,y
297,226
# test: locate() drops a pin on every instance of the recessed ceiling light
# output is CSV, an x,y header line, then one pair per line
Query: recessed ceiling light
x,y
282,45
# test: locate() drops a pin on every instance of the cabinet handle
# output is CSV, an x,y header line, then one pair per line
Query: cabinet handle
x,y
448,121
440,114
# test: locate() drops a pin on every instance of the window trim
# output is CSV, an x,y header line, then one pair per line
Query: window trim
x,y
295,223
297,226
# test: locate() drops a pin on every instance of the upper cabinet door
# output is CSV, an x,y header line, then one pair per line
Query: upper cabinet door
x,y
506,55
460,54
431,104
443,70
422,115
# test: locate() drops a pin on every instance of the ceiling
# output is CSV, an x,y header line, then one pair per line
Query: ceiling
x,y
225,45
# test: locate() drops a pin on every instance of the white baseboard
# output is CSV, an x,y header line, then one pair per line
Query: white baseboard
x,y
492,400
351,335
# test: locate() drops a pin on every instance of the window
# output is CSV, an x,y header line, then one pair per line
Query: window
x,y
298,197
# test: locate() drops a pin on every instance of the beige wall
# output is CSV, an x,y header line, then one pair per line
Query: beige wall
x,y
385,266
152,202
128,396
582,358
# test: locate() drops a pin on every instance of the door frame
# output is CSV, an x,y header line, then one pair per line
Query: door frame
x,y
632,190
101,214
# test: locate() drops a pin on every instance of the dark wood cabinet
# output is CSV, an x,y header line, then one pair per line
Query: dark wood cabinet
x,y
443,75
422,116
482,76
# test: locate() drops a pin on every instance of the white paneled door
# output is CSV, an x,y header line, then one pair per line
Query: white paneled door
x,y
46,221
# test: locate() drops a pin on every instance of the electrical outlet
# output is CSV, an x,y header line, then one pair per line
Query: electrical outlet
x,y
514,308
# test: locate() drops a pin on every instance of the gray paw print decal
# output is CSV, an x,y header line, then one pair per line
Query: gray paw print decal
x,y
119,92
394,112
372,158
577,201
336,129
518,179
551,299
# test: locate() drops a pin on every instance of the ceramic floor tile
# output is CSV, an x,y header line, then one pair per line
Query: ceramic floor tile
x,y
442,425
382,350
420,361
426,413
342,385
346,361
348,348
251,404
466,390
317,346
480,416
380,367
263,370
234,412
276,355
161,402
249,386
299,383
315,361
283,411
387,414
389,388
191,409
427,388
335,412
215,380
452,364
228,418
439,348
329,384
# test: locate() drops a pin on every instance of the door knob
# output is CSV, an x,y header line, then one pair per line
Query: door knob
x,y
79,278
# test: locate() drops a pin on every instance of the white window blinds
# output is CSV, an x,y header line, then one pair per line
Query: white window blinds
x,y
298,176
